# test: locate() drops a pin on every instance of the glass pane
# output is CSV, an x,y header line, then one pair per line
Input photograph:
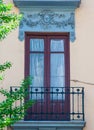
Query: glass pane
x,y
37,72
36,44
57,75
57,45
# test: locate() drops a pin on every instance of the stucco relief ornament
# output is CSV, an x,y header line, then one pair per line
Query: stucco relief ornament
x,y
72,36
48,20
46,17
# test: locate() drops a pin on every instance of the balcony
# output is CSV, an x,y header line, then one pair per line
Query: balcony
x,y
56,103
55,108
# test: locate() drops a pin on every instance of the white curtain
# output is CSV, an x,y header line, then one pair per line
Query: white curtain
x,y
57,69
37,67
37,45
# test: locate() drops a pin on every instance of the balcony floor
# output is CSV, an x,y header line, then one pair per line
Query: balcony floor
x,y
49,125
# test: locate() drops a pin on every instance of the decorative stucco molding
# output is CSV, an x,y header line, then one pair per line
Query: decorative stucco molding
x,y
47,19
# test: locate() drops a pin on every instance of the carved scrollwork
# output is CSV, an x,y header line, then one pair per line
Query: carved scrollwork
x,y
48,20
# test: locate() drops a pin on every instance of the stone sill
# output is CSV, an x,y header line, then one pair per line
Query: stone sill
x,y
49,125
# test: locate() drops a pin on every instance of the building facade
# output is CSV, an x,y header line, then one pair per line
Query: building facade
x,y
54,45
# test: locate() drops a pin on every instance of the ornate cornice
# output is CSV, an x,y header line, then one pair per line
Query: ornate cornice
x,y
46,18
62,3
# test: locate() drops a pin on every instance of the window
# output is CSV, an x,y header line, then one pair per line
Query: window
x,y
47,61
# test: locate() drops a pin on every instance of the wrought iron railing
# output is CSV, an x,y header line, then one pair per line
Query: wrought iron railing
x,y
55,103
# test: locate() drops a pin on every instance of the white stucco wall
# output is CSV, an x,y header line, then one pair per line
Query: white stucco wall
x,y
81,57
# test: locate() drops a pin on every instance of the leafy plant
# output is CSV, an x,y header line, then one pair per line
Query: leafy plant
x,y
9,113
8,20
3,67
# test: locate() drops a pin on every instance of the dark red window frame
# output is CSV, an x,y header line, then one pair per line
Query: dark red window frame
x,y
29,35
65,36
